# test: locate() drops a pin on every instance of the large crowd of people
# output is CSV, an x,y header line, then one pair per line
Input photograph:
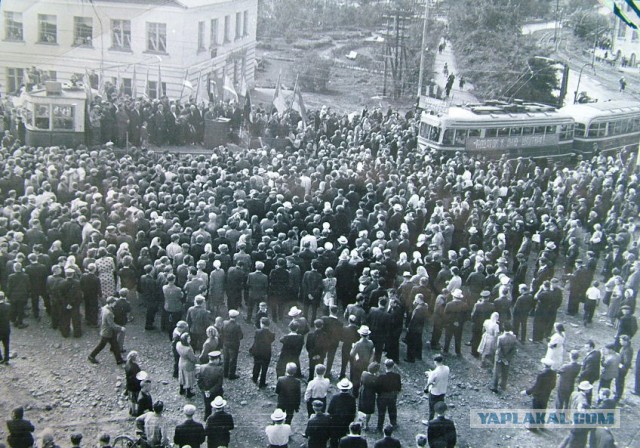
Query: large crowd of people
x,y
352,238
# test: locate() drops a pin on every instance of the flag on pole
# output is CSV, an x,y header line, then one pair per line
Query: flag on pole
x,y
244,89
146,85
134,90
159,86
297,104
87,89
118,86
187,84
198,86
228,86
623,15
278,98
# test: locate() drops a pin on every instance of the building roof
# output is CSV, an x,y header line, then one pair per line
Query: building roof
x,y
176,3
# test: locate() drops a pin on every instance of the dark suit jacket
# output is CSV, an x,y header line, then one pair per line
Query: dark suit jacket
x,y
219,425
189,433
20,433
544,384
333,328
388,442
506,348
289,395
441,433
590,367
262,343
211,378
232,334
567,375
418,319
318,431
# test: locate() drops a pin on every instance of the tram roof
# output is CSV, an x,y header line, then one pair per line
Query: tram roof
x,y
589,111
498,111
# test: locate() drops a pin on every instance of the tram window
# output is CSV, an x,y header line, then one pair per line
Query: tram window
x,y
597,129
503,132
551,130
424,130
538,130
614,128
527,131
491,132
461,137
42,116
602,130
579,129
63,117
625,126
434,134
474,132
635,125
566,132
447,138
515,132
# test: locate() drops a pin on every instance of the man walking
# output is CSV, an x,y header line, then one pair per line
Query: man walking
x,y
505,350
231,337
288,391
389,386
261,352
5,327
210,380
415,329
567,375
455,313
541,389
108,334
437,382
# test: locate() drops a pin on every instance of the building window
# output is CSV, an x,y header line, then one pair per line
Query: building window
x,y
15,77
83,31
48,75
245,23
201,26
622,30
13,25
238,25
227,29
157,37
127,86
47,29
121,34
214,33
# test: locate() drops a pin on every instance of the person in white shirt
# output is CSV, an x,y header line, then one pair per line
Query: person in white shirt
x,y
591,302
437,382
317,389
278,434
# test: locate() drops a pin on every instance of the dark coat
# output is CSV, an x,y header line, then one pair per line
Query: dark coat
x,y
219,425
590,370
567,375
232,334
543,385
288,391
262,343
318,431
441,433
388,442
5,318
20,433
189,433
342,409
418,319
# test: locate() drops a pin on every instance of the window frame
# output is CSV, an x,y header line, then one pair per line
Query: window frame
x,y
123,33
10,22
156,30
227,29
43,33
88,44
202,31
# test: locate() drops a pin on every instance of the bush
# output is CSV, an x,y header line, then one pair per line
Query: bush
x,y
316,72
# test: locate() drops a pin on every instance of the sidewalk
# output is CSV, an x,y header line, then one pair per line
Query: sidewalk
x,y
457,95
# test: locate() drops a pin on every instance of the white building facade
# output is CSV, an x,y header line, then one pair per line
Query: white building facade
x,y
625,42
145,46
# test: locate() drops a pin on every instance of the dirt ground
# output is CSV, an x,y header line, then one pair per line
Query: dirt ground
x,y
60,389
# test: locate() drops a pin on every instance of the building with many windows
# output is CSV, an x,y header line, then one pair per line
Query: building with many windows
x,y
143,46
625,42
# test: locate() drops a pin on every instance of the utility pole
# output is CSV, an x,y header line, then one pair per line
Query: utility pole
x,y
422,49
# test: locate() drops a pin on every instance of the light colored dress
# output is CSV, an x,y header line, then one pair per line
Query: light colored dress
x,y
106,268
555,350
489,339
186,366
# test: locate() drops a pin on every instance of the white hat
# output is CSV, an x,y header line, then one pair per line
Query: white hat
x,y
142,376
294,311
547,361
219,402
550,245
457,293
328,245
214,354
189,409
233,313
585,385
473,230
343,239
504,280
278,415
345,384
364,330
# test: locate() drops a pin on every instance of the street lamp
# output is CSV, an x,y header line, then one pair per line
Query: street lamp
x,y
575,94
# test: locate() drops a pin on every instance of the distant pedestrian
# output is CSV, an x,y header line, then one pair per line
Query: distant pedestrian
x,y
318,427
388,441
108,334
288,391
219,425
623,84
506,348
5,327
210,380
541,389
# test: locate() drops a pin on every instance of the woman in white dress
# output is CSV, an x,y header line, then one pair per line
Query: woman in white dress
x,y
186,365
491,330
555,348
